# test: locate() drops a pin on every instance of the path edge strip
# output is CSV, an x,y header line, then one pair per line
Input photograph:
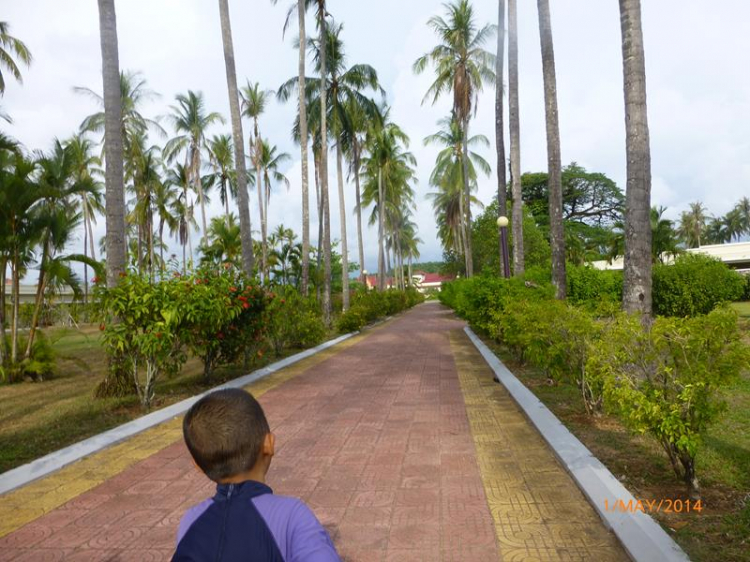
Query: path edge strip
x,y
46,465
642,537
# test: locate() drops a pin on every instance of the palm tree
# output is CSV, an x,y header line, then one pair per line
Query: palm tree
x,y
346,103
716,232
237,135
11,47
178,178
554,165
462,66
637,273
301,7
693,225
519,265
20,228
448,175
224,244
254,103
85,167
146,181
221,156
743,210
115,192
165,200
388,171
191,121
664,237
734,224
502,181
269,162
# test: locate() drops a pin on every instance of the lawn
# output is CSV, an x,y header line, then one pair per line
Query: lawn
x,y
641,465
743,308
38,418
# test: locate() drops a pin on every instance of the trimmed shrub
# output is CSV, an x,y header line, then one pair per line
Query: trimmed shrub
x,y
352,320
293,321
694,285
668,381
587,284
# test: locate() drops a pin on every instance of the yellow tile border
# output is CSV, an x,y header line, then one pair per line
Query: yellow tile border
x,y
532,522
30,502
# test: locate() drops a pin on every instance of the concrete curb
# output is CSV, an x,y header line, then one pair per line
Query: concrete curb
x,y
52,462
641,536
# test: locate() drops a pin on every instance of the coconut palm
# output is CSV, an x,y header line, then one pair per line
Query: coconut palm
x,y
301,7
11,49
664,237
165,196
190,120
254,103
388,170
462,67
716,232
693,225
113,143
637,270
237,135
86,168
734,224
743,210
221,156
146,181
178,178
448,176
270,161
554,165
224,244
346,103
20,228
519,265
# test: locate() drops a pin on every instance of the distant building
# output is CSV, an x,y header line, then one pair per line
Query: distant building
x,y
736,256
421,280
28,294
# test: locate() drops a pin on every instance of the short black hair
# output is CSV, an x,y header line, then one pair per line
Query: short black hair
x,y
224,431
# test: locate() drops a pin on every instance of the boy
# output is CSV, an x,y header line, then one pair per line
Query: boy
x,y
230,441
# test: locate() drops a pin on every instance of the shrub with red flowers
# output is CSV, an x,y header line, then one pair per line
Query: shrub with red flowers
x,y
293,321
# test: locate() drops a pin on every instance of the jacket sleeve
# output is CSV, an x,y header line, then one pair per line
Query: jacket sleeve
x,y
310,541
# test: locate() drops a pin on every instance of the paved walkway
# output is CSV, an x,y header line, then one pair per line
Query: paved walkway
x,y
399,440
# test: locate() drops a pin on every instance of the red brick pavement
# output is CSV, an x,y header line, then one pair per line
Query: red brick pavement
x,y
375,439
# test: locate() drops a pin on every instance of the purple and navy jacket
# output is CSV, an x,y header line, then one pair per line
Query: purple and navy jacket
x,y
246,523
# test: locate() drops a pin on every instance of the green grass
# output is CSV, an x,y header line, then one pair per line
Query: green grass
x,y
639,462
38,418
743,308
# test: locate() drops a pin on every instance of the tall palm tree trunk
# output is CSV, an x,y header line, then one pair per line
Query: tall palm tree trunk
x,y
467,197
358,191
115,192
557,237
39,299
637,269
324,164
519,262
239,157
319,202
3,281
261,215
342,218
502,180
161,245
303,152
85,253
16,295
381,233
196,165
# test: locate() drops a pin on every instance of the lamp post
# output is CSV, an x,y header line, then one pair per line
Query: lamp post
x,y
502,222
364,278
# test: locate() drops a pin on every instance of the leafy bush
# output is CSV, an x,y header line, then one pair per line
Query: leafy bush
x,y
694,285
352,320
667,381
588,285
293,321
141,323
40,366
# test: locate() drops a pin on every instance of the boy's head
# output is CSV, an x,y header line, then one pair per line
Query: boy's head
x,y
227,434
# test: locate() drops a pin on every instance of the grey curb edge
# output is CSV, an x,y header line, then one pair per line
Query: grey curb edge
x,y
641,536
52,462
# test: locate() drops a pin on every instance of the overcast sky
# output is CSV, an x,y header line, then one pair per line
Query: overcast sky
x,y
696,59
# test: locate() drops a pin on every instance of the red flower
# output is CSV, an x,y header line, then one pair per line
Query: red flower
x,y
198,281
102,327
283,301
243,299
220,336
232,289
158,335
95,280
245,305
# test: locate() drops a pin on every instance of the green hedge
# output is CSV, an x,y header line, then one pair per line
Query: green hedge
x,y
666,381
369,306
695,285
587,284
